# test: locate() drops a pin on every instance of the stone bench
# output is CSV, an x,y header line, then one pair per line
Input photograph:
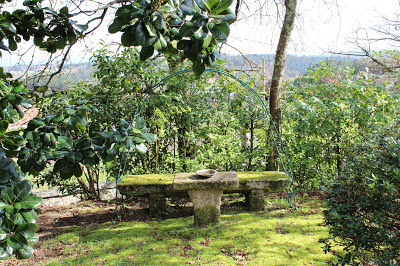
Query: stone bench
x,y
158,187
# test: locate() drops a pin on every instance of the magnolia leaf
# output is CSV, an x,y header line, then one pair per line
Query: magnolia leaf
x,y
148,136
18,219
141,148
65,142
35,123
198,67
29,217
140,122
141,34
127,38
146,52
116,25
28,230
24,253
22,190
220,31
7,193
3,234
31,201
138,140
5,253
222,6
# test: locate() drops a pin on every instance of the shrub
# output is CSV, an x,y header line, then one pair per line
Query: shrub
x,y
364,202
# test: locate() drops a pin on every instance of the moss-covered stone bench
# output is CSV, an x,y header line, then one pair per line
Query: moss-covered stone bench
x,y
158,187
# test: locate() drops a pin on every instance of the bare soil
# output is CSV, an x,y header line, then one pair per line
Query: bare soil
x,y
53,220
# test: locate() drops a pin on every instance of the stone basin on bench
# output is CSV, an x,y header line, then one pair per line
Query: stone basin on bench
x,y
157,187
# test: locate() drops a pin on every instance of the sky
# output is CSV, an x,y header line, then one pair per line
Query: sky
x,y
321,27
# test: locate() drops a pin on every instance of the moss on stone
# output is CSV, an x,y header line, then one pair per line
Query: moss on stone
x,y
151,179
268,175
207,215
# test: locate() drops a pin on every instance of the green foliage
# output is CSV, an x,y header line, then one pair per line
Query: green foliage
x,y
192,28
50,30
70,135
18,206
363,201
327,117
18,212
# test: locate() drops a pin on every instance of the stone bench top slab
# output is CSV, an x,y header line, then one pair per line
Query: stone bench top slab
x,y
219,181
261,176
148,179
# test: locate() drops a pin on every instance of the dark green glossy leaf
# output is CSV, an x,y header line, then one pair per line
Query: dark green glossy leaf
x,y
141,34
220,31
146,52
65,142
116,25
222,6
5,253
24,253
7,194
201,5
22,190
29,217
138,140
140,122
3,234
35,123
199,67
31,201
148,136
128,39
141,148
64,11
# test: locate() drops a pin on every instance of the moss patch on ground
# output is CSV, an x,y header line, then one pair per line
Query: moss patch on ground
x,y
151,179
277,236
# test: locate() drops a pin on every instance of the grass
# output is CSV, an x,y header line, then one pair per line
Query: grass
x,y
277,236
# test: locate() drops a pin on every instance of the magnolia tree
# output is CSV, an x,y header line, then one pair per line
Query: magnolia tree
x,y
189,29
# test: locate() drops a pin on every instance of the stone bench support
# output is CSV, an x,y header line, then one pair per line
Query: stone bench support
x,y
204,193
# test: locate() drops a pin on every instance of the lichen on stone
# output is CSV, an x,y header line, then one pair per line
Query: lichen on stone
x,y
150,179
207,215
267,175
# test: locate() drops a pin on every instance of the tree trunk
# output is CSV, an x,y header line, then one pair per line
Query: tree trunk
x,y
279,69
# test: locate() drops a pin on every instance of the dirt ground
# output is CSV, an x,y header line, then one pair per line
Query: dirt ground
x,y
52,220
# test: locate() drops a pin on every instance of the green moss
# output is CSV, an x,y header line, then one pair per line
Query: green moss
x,y
207,215
274,237
268,175
152,179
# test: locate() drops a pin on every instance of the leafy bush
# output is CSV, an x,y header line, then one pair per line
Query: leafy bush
x,y
324,119
18,212
364,202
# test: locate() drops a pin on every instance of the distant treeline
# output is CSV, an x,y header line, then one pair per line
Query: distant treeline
x,y
295,65
71,75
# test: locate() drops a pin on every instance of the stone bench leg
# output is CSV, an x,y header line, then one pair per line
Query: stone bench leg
x,y
207,206
255,200
157,204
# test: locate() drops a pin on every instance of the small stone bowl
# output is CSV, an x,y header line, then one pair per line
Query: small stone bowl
x,y
206,173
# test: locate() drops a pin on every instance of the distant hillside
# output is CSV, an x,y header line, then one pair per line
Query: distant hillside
x,y
295,65
72,74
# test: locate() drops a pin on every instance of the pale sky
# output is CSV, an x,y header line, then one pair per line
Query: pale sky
x,y
322,26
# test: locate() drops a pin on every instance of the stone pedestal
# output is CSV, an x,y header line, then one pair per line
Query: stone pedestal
x,y
206,194
256,200
157,203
